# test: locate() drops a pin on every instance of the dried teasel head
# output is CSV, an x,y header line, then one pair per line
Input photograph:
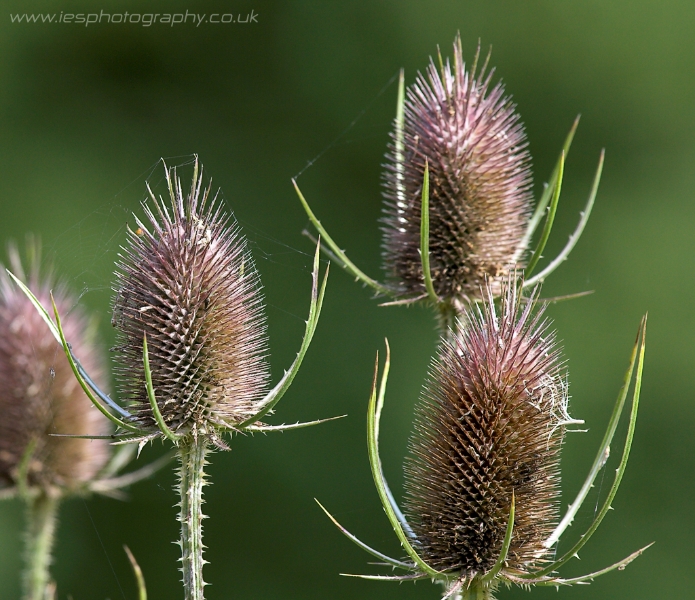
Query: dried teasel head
x,y
490,428
39,395
467,132
187,281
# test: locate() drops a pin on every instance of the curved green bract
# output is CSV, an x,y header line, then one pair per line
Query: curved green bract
x,y
621,564
387,559
163,427
377,473
547,228
618,474
343,260
267,404
379,406
37,305
425,236
84,380
83,384
545,197
574,238
142,589
601,455
507,542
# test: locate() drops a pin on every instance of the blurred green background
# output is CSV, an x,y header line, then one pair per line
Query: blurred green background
x,y
85,115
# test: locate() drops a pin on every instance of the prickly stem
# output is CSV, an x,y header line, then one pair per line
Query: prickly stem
x,y
40,528
475,592
191,482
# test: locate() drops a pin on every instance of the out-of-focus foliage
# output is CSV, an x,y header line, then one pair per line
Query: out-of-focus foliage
x,y
85,114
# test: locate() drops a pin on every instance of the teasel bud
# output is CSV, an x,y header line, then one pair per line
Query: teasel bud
x,y
39,395
187,282
465,131
489,429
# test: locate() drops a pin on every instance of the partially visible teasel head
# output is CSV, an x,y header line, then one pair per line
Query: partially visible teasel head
x,y
466,130
186,281
489,428
39,395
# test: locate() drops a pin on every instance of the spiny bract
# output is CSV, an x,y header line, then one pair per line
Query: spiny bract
x,y
490,425
39,395
480,184
187,281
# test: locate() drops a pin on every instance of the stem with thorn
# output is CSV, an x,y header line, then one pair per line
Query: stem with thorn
x,y
475,592
41,522
192,453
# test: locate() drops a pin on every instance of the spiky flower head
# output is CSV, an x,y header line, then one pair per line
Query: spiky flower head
x,y
187,281
39,395
490,427
467,131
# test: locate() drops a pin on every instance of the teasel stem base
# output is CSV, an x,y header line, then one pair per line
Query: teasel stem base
x,y
192,452
477,591
447,321
41,520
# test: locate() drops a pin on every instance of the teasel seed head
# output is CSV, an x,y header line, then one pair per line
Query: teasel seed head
x,y
490,425
187,281
39,395
467,131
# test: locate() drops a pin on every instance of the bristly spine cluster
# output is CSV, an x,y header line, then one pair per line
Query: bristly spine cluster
x,y
188,283
489,428
466,131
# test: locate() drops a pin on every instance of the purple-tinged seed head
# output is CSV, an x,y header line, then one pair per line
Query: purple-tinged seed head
x,y
39,394
186,279
490,424
480,184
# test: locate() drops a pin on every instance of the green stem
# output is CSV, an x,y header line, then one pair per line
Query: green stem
x,y
476,592
473,590
41,524
191,481
447,321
